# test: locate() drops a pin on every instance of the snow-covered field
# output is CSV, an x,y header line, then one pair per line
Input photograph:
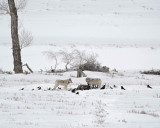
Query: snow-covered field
x,y
135,107
124,34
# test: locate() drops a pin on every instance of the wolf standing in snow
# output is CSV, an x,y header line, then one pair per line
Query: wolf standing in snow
x,y
93,82
62,82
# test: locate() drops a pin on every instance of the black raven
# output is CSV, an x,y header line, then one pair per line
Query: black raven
x,y
39,88
74,90
111,87
114,86
123,88
149,86
103,87
22,89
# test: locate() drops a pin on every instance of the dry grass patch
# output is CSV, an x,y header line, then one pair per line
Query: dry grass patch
x,y
143,112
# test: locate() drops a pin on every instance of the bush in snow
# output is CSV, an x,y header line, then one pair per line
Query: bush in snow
x,y
153,72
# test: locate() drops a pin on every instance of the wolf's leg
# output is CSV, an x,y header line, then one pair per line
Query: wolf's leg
x,y
92,86
65,87
99,84
55,86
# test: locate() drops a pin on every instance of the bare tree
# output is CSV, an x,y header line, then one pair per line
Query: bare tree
x,y
11,8
82,58
91,58
67,58
25,38
89,62
79,58
53,55
15,39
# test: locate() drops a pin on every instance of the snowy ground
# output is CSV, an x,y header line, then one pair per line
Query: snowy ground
x,y
135,107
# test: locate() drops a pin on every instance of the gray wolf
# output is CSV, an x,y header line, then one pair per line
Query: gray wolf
x,y
93,82
65,83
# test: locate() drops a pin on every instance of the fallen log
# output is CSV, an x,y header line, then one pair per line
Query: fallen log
x,y
28,67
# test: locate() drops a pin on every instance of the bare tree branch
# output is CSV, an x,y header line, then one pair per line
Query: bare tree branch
x,y
85,61
53,55
4,8
28,67
20,4
67,58
91,58
25,38
79,57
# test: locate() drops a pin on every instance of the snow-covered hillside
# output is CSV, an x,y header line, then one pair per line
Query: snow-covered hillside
x,y
89,21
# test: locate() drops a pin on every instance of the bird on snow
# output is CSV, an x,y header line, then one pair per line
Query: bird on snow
x,y
123,88
22,89
114,86
74,90
103,87
111,87
149,86
39,88
77,93
59,88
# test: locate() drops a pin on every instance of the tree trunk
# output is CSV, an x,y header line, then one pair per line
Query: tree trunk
x,y
15,39
79,73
